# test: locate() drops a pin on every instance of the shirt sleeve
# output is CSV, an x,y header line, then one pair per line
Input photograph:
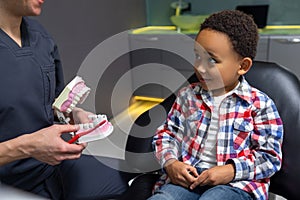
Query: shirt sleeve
x,y
168,138
264,157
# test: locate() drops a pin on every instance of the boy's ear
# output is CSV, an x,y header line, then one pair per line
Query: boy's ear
x,y
245,65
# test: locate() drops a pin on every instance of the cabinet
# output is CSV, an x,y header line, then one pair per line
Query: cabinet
x,y
161,57
160,63
262,48
281,49
285,50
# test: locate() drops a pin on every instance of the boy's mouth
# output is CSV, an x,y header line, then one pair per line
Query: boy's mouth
x,y
204,80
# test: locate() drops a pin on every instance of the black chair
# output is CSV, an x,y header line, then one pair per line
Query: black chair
x,y
276,81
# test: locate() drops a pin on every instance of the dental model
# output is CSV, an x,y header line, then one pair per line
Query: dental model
x,y
76,92
99,128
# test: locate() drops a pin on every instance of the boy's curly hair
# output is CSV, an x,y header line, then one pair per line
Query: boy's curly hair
x,y
239,27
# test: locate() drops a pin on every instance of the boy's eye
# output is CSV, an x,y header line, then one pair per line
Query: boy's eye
x,y
210,60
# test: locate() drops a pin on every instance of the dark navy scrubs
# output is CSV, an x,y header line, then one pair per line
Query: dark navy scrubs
x,y
30,78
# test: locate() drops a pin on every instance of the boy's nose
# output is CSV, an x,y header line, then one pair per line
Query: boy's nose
x,y
200,68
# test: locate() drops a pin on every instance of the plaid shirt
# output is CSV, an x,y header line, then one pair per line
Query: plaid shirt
x,y
250,135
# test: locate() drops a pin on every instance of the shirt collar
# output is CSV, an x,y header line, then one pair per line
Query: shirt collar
x,y
243,91
24,33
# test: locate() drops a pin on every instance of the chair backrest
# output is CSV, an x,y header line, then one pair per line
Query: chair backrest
x,y
284,88
278,83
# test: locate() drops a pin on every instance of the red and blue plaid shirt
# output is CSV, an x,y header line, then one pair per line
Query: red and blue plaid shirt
x,y
250,135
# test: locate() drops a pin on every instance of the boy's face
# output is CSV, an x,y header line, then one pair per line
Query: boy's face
x,y
217,65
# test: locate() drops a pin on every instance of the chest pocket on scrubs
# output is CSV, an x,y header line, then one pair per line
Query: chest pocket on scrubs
x,y
242,129
49,87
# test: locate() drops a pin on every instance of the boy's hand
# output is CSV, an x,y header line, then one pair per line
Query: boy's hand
x,y
181,173
215,176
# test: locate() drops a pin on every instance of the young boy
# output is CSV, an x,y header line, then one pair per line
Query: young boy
x,y
222,138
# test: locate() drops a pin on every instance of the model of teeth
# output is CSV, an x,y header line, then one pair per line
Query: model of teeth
x,y
76,92
99,128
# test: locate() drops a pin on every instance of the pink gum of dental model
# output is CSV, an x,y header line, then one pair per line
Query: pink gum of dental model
x,y
74,97
98,129
75,92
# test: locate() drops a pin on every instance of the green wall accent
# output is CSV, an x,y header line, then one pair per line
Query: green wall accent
x,y
281,12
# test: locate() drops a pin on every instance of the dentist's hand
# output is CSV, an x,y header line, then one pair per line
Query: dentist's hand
x,y
80,116
46,145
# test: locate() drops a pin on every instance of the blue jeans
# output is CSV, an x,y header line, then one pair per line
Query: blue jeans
x,y
219,192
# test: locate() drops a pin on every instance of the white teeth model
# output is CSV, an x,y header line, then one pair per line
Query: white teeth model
x,y
76,92
99,128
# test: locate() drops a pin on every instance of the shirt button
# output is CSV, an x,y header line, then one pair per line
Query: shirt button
x,y
235,146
